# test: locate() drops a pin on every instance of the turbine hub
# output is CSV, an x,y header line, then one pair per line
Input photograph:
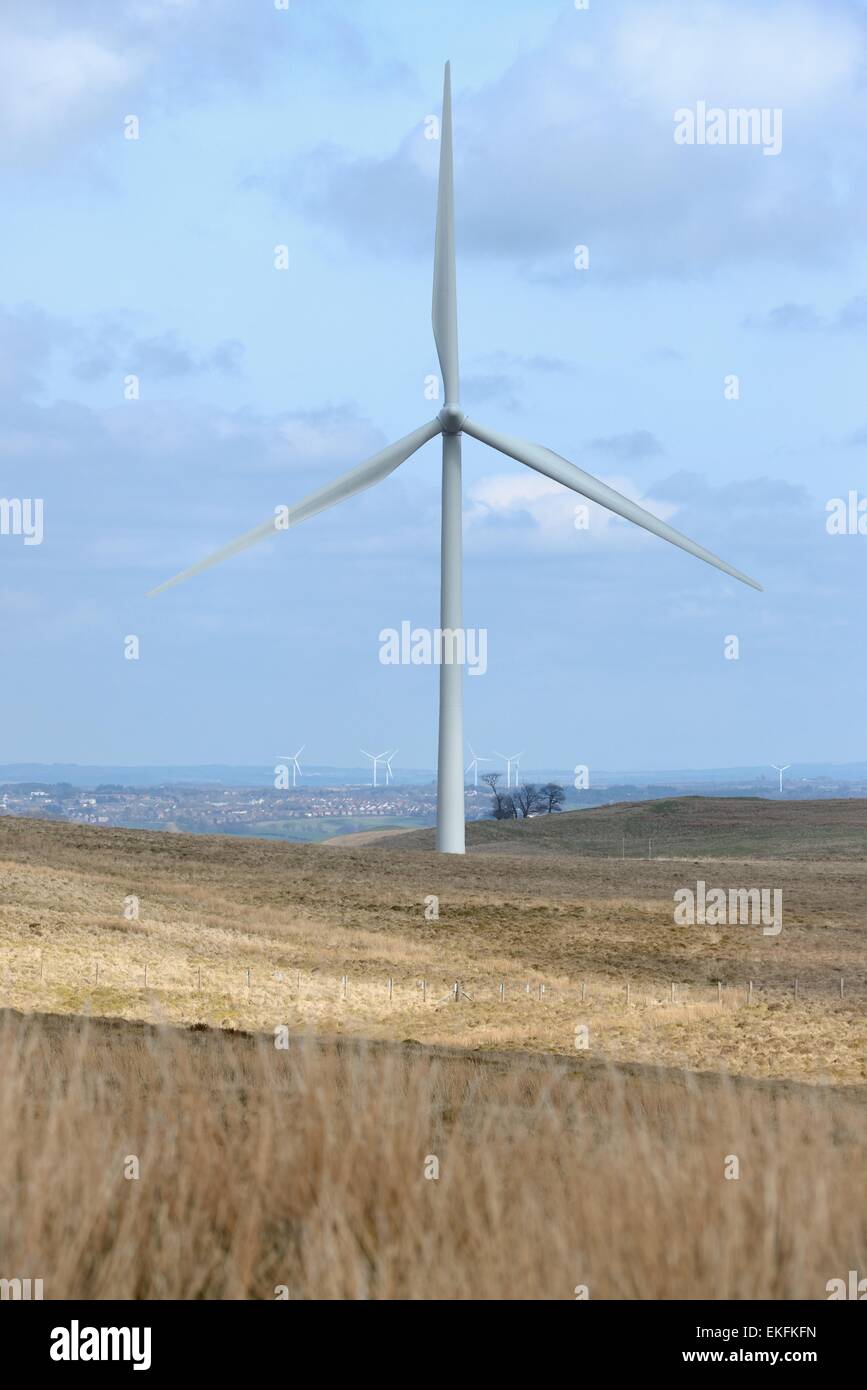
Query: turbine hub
x,y
452,418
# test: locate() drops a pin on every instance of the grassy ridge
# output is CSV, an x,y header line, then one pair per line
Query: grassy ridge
x,y
683,827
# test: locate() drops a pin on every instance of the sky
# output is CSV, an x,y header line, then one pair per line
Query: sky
x,y
307,127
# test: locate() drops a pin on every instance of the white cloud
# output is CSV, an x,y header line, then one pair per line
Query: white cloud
x,y
52,84
540,514
574,143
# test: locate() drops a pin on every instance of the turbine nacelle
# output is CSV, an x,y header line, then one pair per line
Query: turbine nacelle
x,y
452,418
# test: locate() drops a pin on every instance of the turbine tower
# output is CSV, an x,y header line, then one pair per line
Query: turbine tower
x,y
473,765
376,759
451,423
515,758
781,770
293,759
389,775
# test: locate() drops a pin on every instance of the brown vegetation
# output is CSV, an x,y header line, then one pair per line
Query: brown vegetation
x,y
576,930
306,1169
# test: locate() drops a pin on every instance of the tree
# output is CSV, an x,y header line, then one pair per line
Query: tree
x,y
499,808
528,799
553,796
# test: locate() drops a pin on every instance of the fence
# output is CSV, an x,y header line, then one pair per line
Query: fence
x,y
292,984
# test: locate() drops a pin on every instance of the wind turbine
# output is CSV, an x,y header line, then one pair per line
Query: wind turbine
x,y
473,765
515,758
389,775
376,759
781,770
452,423
293,759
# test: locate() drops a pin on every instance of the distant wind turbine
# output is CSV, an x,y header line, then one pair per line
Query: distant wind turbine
x,y
473,765
451,423
389,775
293,759
376,759
781,770
515,758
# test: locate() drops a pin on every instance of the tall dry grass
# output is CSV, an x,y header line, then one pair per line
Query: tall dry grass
x,y
262,1168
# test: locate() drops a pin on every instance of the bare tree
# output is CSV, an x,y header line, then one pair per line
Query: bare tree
x,y
528,799
501,810
553,796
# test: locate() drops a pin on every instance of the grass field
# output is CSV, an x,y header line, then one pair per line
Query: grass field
x,y
139,1163
543,943
582,1100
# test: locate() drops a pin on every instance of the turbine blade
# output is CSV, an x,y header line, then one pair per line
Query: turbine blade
x,y
445,300
356,480
553,466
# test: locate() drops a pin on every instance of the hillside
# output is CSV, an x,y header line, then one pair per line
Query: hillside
x,y
684,827
369,941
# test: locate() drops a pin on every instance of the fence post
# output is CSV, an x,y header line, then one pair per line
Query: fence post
x,y
750,995
627,993
146,975
343,986
583,991
841,986
502,991
200,976
390,988
796,986
719,991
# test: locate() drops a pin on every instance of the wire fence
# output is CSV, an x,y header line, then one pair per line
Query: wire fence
x,y
411,991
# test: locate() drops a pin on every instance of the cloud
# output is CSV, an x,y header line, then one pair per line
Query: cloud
x,y
504,374
536,362
162,357
68,70
535,513
636,445
32,342
851,317
574,143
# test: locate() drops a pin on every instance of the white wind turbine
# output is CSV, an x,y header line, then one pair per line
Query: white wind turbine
x,y
293,759
451,423
473,765
781,770
515,758
376,759
389,775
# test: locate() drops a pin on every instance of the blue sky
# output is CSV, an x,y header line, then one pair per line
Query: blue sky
x,y
306,127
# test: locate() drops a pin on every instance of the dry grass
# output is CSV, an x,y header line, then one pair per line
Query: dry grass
x,y
578,928
261,1168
